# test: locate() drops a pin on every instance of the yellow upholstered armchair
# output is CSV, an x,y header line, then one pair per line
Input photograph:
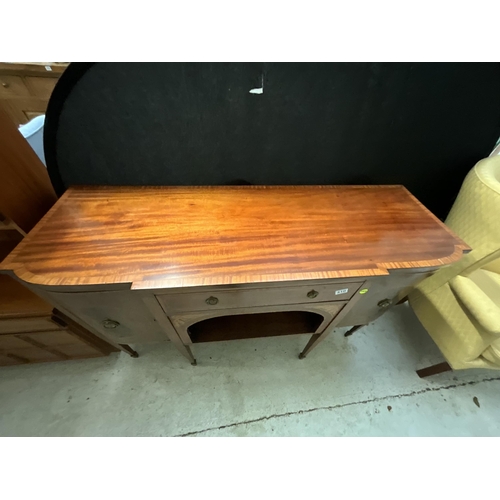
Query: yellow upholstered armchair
x,y
460,305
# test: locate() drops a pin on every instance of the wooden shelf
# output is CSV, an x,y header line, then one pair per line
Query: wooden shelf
x,y
8,241
249,326
17,301
9,225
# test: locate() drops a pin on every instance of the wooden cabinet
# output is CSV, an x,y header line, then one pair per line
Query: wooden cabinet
x,y
204,264
25,88
30,329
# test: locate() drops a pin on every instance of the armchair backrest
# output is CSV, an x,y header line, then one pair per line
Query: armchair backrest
x,y
475,215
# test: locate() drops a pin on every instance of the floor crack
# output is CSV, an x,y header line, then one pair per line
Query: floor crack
x,y
335,407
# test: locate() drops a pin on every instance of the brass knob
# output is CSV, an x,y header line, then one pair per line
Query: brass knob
x,y
384,303
5,85
211,301
312,294
109,323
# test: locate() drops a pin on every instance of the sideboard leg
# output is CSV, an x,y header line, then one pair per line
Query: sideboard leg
x,y
434,370
189,355
352,330
313,341
126,348
160,316
185,351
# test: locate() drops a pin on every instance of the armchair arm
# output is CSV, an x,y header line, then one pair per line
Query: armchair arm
x,y
478,303
476,259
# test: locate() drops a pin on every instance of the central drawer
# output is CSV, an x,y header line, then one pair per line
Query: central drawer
x,y
255,297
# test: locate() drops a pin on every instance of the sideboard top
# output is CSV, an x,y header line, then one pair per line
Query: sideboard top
x,y
194,236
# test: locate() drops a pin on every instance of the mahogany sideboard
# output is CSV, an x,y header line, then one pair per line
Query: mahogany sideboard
x,y
202,264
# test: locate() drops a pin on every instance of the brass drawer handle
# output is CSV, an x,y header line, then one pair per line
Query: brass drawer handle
x,y
384,304
211,301
312,294
5,85
110,324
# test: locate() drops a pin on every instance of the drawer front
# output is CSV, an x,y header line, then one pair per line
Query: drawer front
x,y
27,325
40,86
20,108
29,354
12,86
229,299
120,317
53,345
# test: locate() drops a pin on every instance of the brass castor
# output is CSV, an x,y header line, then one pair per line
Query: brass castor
x,y
194,363
302,355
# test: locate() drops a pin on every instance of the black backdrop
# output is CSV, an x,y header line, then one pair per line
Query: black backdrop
x,y
423,125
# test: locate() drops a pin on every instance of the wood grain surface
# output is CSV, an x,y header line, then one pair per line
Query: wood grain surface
x,y
17,301
170,237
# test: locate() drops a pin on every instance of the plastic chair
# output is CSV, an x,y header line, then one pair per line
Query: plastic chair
x,y
33,133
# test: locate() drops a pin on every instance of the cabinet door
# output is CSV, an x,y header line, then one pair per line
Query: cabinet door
x,y
384,292
121,317
40,86
12,86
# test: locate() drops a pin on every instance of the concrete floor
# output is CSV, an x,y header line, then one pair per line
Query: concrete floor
x,y
364,385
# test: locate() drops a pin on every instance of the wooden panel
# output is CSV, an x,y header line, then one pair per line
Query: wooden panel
x,y
18,325
47,346
40,86
32,354
380,289
17,301
53,69
56,338
25,89
13,112
8,241
10,342
12,86
32,114
25,189
155,309
20,108
185,237
135,322
88,337
227,299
